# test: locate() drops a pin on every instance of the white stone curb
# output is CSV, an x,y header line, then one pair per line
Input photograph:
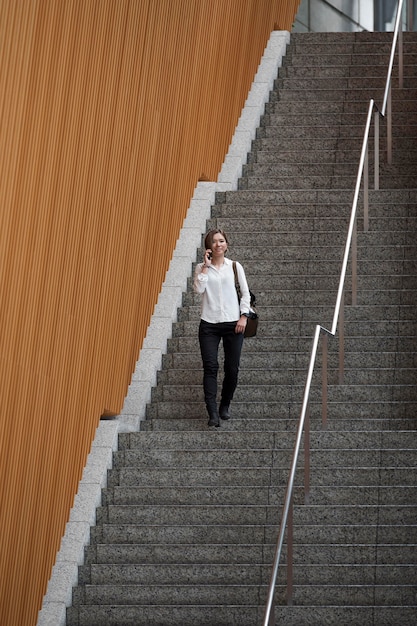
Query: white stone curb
x,y
77,533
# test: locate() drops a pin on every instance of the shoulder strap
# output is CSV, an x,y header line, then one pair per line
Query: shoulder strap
x,y
239,295
235,273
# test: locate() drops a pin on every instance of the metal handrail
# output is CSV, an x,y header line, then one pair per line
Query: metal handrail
x,y
397,34
338,314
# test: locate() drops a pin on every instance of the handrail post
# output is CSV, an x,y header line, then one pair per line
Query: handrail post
x,y
376,150
290,555
324,380
389,126
307,456
366,190
342,339
400,55
355,263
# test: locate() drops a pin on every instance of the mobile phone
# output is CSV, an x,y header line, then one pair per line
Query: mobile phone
x,y
210,256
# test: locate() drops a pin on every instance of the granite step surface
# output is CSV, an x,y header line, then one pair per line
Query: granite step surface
x,y
394,415
322,182
187,526
346,616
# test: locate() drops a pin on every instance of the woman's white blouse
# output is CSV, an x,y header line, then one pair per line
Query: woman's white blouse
x,y
220,302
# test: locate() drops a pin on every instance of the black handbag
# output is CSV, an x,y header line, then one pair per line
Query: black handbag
x,y
253,318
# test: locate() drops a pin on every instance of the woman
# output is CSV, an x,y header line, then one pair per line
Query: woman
x,y
222,317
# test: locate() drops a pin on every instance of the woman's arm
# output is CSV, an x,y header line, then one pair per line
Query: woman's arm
x,y
200,278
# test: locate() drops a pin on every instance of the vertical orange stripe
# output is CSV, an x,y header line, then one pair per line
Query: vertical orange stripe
x,y
109,113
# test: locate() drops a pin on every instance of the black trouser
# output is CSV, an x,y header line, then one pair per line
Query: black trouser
x,y
209,336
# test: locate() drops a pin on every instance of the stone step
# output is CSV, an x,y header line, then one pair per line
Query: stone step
x,y
372,260
336,456
280,361
354,553
261,376
401,411
363,393
315,314
353,120
203,441
318,238
127,534
297,169
322,182
347,83
355,534
255,477
156,615
212,456
199,477
289,154
340,37
266,414
357,515
251,574
330,282
262,344
244,494
186,533
321,58
322,131
217,553
303,209
315,196
397,415
306,224
196,594
354,328
113,594
343,71
346,146
190,615
195,442
368,48
325,60
292,355
356,95
316,83
318,297
191,514
273,393
294,253
354,595
294,107
352,615
312,225
297,359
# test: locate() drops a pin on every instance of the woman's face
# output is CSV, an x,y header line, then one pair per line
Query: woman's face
x,y
218,245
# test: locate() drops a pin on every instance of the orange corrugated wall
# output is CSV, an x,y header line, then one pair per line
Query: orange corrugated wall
x,y
110,112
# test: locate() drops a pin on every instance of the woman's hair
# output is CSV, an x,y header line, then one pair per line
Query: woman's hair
x,y
208,241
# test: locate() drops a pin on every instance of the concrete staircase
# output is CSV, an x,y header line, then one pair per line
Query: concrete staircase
x,y
186,531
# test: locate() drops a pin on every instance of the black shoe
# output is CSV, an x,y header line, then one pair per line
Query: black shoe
x,y
224,412
214,420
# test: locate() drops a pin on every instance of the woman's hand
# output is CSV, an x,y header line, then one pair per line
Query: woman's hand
x,y
241,324
207,257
